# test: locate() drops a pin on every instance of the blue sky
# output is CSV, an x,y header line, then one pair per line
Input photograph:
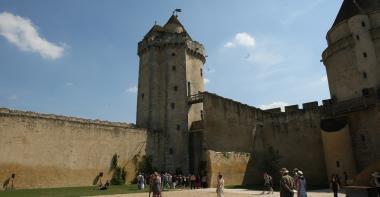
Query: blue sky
x,y
78,57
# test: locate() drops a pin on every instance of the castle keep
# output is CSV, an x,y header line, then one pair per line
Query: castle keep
x,y
187,129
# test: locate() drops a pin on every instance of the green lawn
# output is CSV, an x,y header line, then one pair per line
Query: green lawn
x,y
71,191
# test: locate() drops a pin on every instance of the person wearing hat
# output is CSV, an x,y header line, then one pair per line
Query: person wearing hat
x,y
301,184
287,186
376,178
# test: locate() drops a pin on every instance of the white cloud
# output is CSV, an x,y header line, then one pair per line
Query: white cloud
x,y
229,45
132,90
69,84
13,97
21,32
276,104
324,79
206,81
241,39
265,58
295,14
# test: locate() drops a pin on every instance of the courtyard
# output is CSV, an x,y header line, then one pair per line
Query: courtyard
x,y
132,191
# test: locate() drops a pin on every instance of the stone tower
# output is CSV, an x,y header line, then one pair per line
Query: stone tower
x,y
170,71
353,46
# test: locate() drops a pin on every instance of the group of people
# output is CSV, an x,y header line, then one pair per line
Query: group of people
x,y
292,184
288,184
157,182
170,181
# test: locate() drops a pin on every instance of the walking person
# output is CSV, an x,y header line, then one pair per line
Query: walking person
x,y
220,186
334,184
301,185
268,186
287,186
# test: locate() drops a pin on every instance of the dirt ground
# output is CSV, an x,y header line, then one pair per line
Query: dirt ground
x,y
227,193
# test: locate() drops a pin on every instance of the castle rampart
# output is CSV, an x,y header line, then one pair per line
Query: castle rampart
x,y
45,150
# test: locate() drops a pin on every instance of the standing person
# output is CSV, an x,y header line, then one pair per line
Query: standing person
x,y
157,185
287,186
140,181
203,181
334,184
301,185
192,181
267,183
220,186
345,177
376,178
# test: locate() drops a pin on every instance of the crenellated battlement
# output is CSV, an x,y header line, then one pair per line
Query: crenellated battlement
x,y
192,47
30,114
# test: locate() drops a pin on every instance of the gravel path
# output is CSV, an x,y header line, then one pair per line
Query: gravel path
x,y
227,193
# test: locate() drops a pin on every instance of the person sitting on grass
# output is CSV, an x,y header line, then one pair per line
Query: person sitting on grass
x,y
105,186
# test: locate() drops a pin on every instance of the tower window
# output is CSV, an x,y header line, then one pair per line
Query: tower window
x,y
175,88
188,88
365,92
142,96
362,137
337,164
201,72
363,24
202,114
365,54
173,54
171,151
178,127
357,37
364,75
172,105
174,68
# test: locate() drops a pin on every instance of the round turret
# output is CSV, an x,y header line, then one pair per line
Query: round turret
x,y
351,56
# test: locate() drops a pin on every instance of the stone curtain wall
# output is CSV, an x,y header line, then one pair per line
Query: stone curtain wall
x,y
230,126
296,134
232,165
58,151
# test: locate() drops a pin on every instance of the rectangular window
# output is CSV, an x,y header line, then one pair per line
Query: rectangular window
x,y
172,105
178,127
188,89
202,114
201,72
365,55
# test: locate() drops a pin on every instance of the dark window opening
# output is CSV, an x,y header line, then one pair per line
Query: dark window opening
x,y
365,54
142,96
173,54
362,137
174,68
365,75
365,92
357,37
201,72
171,151
337,164
175,88
178,127
188,89
202,114
363,24
172,105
